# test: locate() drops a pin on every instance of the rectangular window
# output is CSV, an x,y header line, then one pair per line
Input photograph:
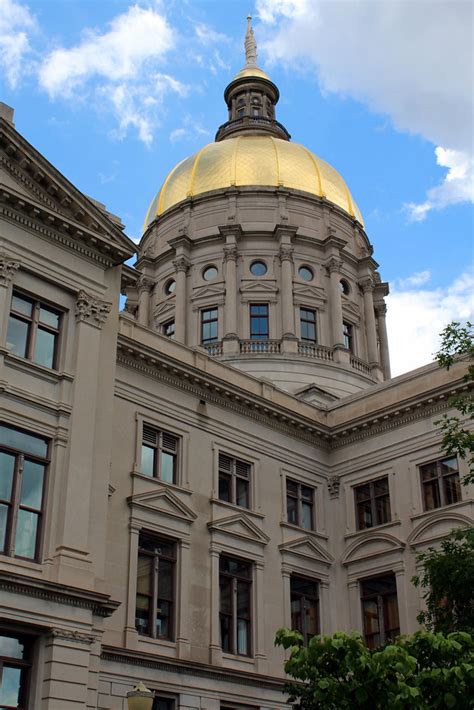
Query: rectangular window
x,y
234,481
160,703
23,462
159,454
33,330
300,504
380,610
259,321
168,329
372,501
155,587
15,665
440,483
308,324
209,325
304,606
348,333
235,584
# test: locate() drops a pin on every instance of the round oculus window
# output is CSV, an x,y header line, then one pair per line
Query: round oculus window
x,y
306,273
344,286
258,268
209,273
170,287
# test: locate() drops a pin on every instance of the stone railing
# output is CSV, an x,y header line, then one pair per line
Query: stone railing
x,y
320,352
270,347
252,122
360,365
213,349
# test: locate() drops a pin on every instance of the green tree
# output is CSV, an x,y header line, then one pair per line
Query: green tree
x,y
457,342
416,672
447,578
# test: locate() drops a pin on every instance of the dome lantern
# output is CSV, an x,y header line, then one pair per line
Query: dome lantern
x,y
251,98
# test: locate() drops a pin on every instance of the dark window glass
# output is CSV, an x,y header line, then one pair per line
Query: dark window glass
x,y
170,287
259,321
23,461
258,268
15,664
155,595
308,324
440,483
344,286
304,606
163,703
306,273
348,333
33,330
168,329
372,501
159,454
234,481
380,610
209,325
235,584
300,505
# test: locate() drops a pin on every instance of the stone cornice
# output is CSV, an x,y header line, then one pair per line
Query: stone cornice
x,y
99,604
113,654
91,310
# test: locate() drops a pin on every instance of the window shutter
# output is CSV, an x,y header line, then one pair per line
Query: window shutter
x,y
170,442
225,463
242,468
150,435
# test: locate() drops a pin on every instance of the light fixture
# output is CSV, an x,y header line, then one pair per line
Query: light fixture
x,y
140,698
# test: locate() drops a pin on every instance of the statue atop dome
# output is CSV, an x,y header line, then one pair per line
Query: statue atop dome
x,y
250,45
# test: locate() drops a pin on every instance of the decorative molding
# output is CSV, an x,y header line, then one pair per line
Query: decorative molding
x,y
8,267
240,526
449,517
380,310
181,263
334,265
334,484
355,552
230,254
72,635
154,500
145,283
367,284
309,548
286,253
91,310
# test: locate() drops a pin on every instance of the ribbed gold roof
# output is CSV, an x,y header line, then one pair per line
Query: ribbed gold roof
x,y
252,161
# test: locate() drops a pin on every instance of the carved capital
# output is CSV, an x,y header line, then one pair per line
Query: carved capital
x,y
380,310
333,486
230,253
334,265
286,253
7,269
144,283
367,284
181,263
91,310
72,635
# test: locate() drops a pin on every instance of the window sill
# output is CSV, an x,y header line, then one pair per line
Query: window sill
x,y
376,528
20,562
451,506
158,482
238,508
306,531
244,660
162,646
21,363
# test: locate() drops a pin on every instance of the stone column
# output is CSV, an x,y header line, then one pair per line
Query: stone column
x,y
334,266
145,286
230,339
289,339
258,619
367,286
131,633
215,650
380,312
181,264
184,617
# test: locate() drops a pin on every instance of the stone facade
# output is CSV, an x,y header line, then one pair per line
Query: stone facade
x,y
316,424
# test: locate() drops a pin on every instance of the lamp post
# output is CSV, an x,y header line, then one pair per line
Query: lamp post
x,y
140,698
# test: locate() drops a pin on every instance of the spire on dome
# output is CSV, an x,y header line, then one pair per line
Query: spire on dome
x,y
250,45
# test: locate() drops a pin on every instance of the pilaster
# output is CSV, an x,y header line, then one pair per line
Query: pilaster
x,y
380,312
145,286
334,266
367,286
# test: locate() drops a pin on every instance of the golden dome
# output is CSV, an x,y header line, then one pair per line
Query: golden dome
x,y
252,160
251,71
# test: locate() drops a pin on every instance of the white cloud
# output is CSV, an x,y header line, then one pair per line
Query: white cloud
x,y
119,69
207,36
410,60
416,317
418,279
190,129
16,23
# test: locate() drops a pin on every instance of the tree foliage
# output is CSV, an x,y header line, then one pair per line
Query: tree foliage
x,y
415,672
457,342
447,578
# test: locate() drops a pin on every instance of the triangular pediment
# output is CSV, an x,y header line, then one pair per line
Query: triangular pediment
x,y
31,184
163,501
259,287
163,308
315,395
307,547
351,308
241,526
304,292
206,292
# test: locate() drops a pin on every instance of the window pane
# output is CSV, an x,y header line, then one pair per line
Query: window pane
x,y
165,579
3,526
148,460
44,348
452,489
382,509
364,515
142,614
224,487
163,619
7,466
25,540
243,637
391,614
381,487
49,317
225,632
10,687
21,305
225,585
242,493
305,587
32,484
312,617
292,487
307,493
362,493
292,510
371,617
307,511
23,442
308,331
17,336
431,495
449,465
296,614
428,471
11,647
144,575
167,467
243,599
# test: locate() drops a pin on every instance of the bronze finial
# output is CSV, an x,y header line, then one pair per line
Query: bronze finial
x,y
250,45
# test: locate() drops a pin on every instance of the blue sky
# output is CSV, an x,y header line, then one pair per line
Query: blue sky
x,y
115,93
